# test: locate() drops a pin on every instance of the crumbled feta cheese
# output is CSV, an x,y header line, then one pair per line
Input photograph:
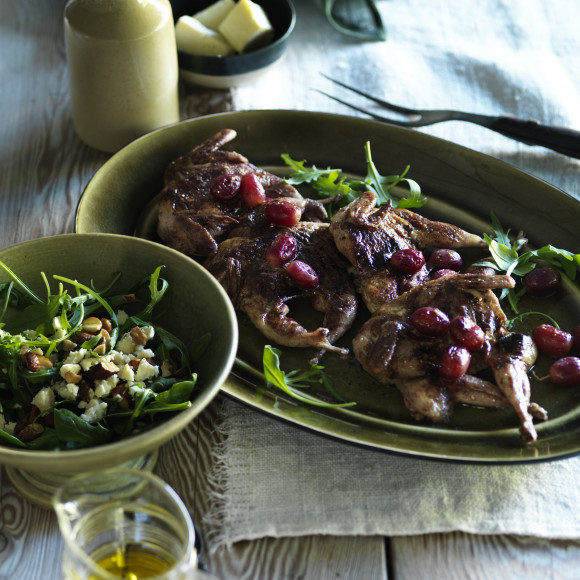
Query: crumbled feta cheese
x,y
67,391
95,411
135,389
126,373
59,334
125,344
104,387
87,363
44,399
146,370
122,317
141,352
9,427
120,358
75,356
148,331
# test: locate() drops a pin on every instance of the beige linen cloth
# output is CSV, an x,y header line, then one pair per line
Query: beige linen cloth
x,y
273,479
518,57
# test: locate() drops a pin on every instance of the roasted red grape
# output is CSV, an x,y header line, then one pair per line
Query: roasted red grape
x,y
224,187
281,250
252,190
441,273
565,372
282,213
466,332
542,282
552,340
454,363
302,275
431,321
444,258
407,261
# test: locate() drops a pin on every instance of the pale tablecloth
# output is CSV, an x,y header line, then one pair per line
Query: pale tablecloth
x,y
518,57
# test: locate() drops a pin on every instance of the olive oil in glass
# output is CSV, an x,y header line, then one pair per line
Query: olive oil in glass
x,y
136,561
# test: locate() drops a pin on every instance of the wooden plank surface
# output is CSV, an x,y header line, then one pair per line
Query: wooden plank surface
x,y
459,556
43,168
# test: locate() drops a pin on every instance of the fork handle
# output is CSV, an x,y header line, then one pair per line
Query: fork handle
x,y
560,139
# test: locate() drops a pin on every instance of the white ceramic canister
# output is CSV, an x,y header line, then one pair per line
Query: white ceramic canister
x,y
123,71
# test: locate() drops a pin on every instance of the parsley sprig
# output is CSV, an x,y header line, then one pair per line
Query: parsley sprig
x,y
505,257
334,184
292,381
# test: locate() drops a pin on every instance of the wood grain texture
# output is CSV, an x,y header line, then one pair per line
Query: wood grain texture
x,y
458,555
187,459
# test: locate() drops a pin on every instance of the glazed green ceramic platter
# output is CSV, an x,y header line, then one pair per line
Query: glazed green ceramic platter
x,y
462,187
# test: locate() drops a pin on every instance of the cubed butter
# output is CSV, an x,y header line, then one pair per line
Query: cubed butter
x,y
246,26
192,36
213,15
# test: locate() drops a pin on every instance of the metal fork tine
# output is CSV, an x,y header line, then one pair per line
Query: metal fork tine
x,y
382,102
375,116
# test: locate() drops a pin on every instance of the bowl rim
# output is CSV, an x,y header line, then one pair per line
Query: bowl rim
x,y
124,450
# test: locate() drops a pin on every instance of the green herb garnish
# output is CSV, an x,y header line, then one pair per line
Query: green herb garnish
x,y
290,381
506,257
335,185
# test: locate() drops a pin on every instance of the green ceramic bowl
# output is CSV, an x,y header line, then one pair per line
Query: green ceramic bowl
x,y
203,307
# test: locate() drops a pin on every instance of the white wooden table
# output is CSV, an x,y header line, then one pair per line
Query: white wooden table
x,y
43,169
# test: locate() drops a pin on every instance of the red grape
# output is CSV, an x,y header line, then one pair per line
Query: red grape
x,y
444,258
407,261
542,282
466,332
431,321
441,273
252,190
302,275
226,186
565,372
281,250
454,363
552,340
283,213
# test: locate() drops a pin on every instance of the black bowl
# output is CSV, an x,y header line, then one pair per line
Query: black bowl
x,y
223,72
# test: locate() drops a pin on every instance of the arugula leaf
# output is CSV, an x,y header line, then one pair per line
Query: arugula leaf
x,y
505,257
289,382
303,174
157,288
70,427
341,190
381,185
29,293
11,440
178,393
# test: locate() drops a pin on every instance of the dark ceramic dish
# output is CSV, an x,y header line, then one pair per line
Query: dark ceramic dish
x,y
229,71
